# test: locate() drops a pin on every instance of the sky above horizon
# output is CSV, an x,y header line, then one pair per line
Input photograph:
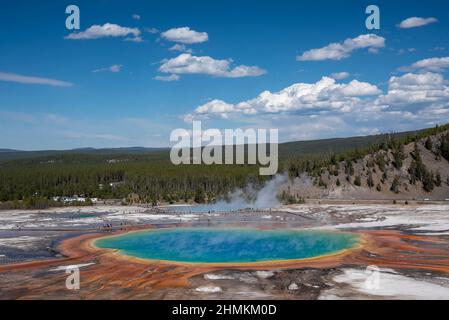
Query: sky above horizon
x,y
136,70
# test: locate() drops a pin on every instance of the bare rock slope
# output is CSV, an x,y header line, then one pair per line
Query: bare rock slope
x,y
419,172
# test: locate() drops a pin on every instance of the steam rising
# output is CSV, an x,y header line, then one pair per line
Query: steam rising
x,y
246,198
249,197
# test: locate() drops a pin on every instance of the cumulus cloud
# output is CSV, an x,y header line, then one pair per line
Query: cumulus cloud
x,y
13,77
114,69
339,75
342,50
412,100
185,35
331,109
222,109
186,63
136,17
104,31
324,95
412,89
431,64
414,22
172,77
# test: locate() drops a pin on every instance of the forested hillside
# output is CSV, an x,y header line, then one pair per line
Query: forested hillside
x,y
414,167
395,163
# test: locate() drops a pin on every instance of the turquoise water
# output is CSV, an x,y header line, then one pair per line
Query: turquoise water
x,y
85,215
203,208
206,245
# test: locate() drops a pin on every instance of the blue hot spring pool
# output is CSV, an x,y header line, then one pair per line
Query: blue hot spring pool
x,y
210,245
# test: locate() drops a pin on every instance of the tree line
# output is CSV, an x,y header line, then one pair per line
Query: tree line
x,y
152,178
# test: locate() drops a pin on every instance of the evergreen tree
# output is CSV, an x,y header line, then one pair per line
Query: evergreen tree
x,y
444,146
333,160
417,168
384,177
395,185
429,144
199,195
438,179
380,161
397,149
321,183
349,169
370,180
427,181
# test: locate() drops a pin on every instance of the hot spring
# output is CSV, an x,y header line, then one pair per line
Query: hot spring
x,y
205,208
215,245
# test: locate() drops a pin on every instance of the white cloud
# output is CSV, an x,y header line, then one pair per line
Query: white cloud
x,y
245,71
114,69
412,100
136,17
435,112
309,128
437,48
339,51
151,30
414,22
185,35
13,77
322,96
339,75
189,64
106,30
412,89
222,109
172,77
329,109
408,50
137,39
431,64
180,47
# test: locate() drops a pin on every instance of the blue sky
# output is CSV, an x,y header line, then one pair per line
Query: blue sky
x,y
309,68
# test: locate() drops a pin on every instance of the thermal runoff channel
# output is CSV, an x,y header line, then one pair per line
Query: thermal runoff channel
x,y
210,245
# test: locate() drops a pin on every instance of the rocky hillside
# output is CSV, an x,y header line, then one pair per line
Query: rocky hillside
x,y
414,169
